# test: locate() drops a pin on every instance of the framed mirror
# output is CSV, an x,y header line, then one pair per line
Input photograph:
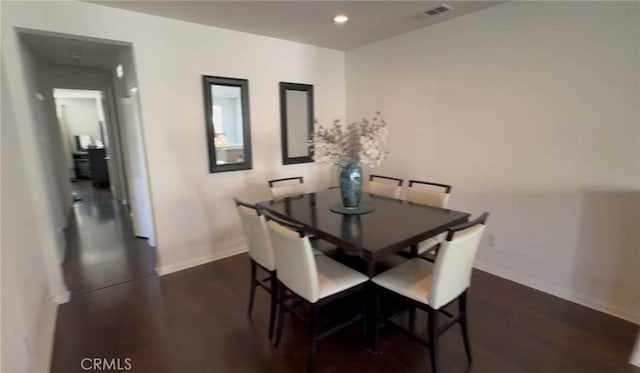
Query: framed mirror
x,y
226,106
296,122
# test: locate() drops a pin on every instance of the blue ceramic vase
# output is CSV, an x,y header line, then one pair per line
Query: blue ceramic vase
x,y
351,186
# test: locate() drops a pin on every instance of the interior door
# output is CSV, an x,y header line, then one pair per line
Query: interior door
x,y
135,168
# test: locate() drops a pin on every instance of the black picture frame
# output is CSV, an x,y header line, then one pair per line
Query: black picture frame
x,y
216,165
284,125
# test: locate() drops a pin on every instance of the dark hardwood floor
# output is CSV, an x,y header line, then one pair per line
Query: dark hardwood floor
x,y
101,250
195,321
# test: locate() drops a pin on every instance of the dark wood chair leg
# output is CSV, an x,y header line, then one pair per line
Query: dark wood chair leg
x,y
413,251
252,286
274,302
433,339
376,320
365,332
462,307
370,315
282,311
412,318
315,320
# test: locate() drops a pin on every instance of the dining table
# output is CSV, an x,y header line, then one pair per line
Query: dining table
x,y
393,225
386,226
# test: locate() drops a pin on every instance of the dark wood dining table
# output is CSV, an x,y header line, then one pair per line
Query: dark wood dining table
x,y
392,226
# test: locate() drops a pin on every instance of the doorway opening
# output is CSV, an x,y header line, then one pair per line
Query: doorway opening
x,y
85,138
101,249
93,154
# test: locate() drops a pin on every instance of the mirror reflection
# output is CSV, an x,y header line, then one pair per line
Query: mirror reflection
x,y
297,129
226,106
227,124
296,113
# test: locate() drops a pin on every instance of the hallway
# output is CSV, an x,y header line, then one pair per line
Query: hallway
x,y
101,249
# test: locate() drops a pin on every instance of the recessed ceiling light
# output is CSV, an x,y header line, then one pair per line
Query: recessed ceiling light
x,y
340,19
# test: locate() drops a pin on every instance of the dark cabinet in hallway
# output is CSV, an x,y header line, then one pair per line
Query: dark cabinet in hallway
x,y
98,170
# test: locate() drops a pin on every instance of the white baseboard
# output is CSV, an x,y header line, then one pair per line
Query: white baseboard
x,y
584,300
62,298
175,267
635,355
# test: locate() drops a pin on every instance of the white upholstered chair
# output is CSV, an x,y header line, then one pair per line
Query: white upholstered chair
x,y
384,186
316,279
287,187
290,187
430,194
261,255
432,286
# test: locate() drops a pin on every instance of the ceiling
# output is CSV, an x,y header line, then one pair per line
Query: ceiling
x,y
73,51
308,22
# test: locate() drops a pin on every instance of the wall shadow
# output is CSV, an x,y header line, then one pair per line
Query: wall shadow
x,y
607,261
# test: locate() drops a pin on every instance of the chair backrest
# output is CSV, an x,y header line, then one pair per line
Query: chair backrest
x,y
428,193
454,262
294,258
286,187
385,186
255,231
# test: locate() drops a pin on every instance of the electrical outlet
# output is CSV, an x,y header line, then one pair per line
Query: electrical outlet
x,y
491,240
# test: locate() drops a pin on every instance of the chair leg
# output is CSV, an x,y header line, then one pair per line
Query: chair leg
x,y
274,302
371,315
462,307
414,251
433,339
282,311
315,320
376,319
412,318
252,286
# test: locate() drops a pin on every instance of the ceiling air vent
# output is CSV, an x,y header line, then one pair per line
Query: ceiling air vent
x,y
441,9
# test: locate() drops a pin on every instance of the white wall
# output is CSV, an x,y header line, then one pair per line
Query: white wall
x,y
66,140
49,142
26,300
531,111
136,170
193,211
81,118
30,275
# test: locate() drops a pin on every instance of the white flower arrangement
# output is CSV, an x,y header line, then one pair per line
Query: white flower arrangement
x,y
358,143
